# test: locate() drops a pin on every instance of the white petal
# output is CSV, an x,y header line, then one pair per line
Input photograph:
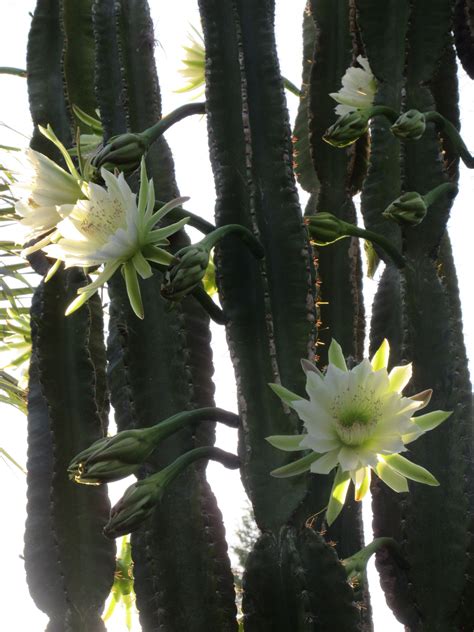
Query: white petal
x,y
325,463
320,444
348,458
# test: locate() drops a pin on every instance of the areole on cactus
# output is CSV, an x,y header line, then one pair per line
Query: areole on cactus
x,y
288,284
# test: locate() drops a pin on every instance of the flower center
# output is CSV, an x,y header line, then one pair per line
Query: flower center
x,y
356,416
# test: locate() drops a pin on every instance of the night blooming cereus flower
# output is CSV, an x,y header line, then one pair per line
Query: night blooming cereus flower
x,y
108,228
40,188
357,421
358,88
194,62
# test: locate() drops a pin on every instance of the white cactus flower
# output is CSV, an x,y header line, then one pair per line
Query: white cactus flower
x,y
39,187
358,88
108,228
357,421
194,63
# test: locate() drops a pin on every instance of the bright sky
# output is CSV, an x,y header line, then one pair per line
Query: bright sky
x,y
195,180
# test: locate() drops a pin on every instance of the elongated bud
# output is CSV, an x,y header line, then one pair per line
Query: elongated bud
x,y
123,152
348,128
141,498
326,228
410,125
410,208
113,458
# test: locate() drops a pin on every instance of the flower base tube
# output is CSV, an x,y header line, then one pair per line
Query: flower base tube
x,y
141,498
126,150
113,458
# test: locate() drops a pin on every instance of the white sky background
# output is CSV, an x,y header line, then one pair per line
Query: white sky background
x,y
188,140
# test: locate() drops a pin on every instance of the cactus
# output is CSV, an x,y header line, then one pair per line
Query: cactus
x,y
290,286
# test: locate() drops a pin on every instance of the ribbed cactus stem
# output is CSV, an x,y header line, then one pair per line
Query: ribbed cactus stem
x,y
454,136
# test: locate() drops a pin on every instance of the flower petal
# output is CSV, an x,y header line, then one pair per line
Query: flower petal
x,y
338,495
289,443
411,470
361,480
296,467
390,477
399,377
348,458
335,355
381,356
325,463
284,394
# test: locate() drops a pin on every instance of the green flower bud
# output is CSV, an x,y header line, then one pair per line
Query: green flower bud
x,y
410,125
326,228
141,498
410,209
136,505
113,458
348,128
123,152
183,276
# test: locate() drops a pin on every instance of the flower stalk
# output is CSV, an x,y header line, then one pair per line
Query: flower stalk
x,y
126,150
326,228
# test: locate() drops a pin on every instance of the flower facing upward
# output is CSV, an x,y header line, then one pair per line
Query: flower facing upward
x,y
109,228
358,88
357,421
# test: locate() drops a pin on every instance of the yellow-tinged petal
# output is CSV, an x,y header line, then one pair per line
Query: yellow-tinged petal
x,y
410,470
361,483
338,495
380,357
399,377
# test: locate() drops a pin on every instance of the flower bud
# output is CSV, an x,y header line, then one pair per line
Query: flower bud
x,y
124,152
182,277
410,209
326,228
410,125
348,128
112,458
135,506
